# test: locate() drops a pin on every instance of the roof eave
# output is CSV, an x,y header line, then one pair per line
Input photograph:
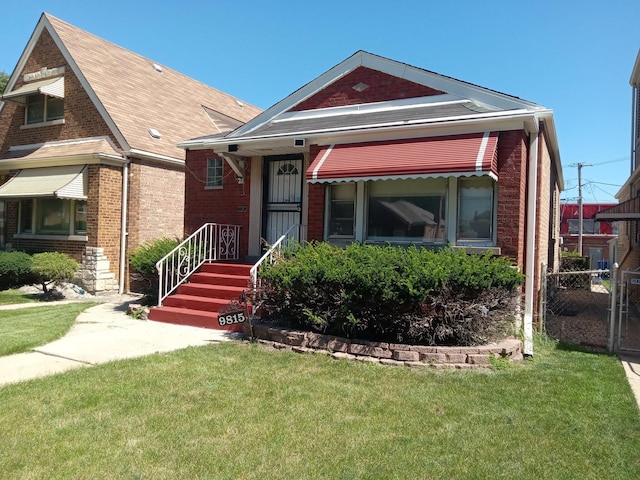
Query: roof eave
x,y
482,122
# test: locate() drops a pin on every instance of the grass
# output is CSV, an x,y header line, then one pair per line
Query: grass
x,y
13,296
241,411
25,328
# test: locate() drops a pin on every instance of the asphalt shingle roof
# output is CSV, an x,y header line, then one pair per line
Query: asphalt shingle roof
x,y
137,97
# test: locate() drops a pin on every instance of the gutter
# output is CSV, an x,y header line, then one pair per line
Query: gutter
x,y
154,156
530,266
123,227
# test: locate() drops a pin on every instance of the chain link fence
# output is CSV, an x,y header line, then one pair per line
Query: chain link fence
x,y
575,307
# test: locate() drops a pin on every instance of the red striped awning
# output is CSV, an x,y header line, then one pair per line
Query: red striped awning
x,y
458,155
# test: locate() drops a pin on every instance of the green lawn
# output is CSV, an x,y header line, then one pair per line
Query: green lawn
x,y
241,411
25,328
13,296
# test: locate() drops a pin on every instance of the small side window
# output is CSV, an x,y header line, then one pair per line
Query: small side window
x,y
214,173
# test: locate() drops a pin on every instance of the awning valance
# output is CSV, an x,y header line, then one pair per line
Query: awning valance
x,y
629,210
54,87
68,182
458,155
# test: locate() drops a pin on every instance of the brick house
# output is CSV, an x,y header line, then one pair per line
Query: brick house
x,y
89,163
627,212
596,235
378,151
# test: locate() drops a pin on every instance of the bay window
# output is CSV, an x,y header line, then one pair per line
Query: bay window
x,y
430,211
53,216
407,210
342,210
475,209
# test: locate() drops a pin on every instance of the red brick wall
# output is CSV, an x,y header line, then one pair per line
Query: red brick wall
x,y
216,205
81,119
382,87
512,169
315,227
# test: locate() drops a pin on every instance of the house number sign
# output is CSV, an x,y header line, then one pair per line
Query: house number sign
x,y
231,318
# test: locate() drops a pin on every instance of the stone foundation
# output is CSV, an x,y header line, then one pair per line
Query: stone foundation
x,y
383,352
94,274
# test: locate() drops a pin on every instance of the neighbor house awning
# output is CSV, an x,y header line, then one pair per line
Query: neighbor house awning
x,y
629,210
459,155
54,87
68,182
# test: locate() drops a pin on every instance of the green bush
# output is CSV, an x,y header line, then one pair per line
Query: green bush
x,y
411,295
143,264
15,269
574,262
51,268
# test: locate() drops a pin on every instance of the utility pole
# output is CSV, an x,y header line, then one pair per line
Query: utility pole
x,y
580,165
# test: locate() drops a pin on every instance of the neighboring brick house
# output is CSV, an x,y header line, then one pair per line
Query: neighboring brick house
x,y
378,151
89,163
627,212
596,235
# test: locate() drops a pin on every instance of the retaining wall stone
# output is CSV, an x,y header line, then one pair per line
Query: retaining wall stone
x,y
382,352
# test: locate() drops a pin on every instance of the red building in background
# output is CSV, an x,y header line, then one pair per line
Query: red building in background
x,y
595,234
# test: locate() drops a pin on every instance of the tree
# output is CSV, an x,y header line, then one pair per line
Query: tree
x,y
4,78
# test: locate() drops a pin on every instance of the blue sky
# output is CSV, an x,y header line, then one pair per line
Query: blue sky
x,y
572,56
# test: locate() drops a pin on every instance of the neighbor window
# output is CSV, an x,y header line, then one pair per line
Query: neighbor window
x,y
53,216
407,210
589,226
475,209
42,108
341,210
214,173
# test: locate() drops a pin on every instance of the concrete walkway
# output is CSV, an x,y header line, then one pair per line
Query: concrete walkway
x,y
631,365
101,334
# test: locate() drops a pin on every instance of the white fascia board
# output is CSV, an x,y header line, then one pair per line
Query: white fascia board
x,y
385,132
154,156
393,105
355,129
635,73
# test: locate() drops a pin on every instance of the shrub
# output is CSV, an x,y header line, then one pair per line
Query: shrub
x,y
392,293
52,268
143,263
15,269
574,262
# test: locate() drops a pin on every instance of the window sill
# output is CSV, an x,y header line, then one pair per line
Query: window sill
x,y
71,238
42,124
217,187
477,249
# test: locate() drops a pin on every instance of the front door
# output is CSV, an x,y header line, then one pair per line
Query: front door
x,y
284,175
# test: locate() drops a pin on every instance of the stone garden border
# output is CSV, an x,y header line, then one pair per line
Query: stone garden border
x,y
383,352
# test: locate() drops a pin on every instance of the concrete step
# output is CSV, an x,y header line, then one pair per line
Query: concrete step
x,y
194,318
221,279
211,291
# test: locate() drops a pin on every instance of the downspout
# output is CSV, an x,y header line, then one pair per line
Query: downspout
x,y
123,226
530,270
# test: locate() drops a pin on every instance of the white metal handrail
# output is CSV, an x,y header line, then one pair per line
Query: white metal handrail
x,y
211,242
269,255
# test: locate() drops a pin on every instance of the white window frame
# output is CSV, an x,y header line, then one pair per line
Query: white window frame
x,y
45,113
451,218
72,234
214,179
